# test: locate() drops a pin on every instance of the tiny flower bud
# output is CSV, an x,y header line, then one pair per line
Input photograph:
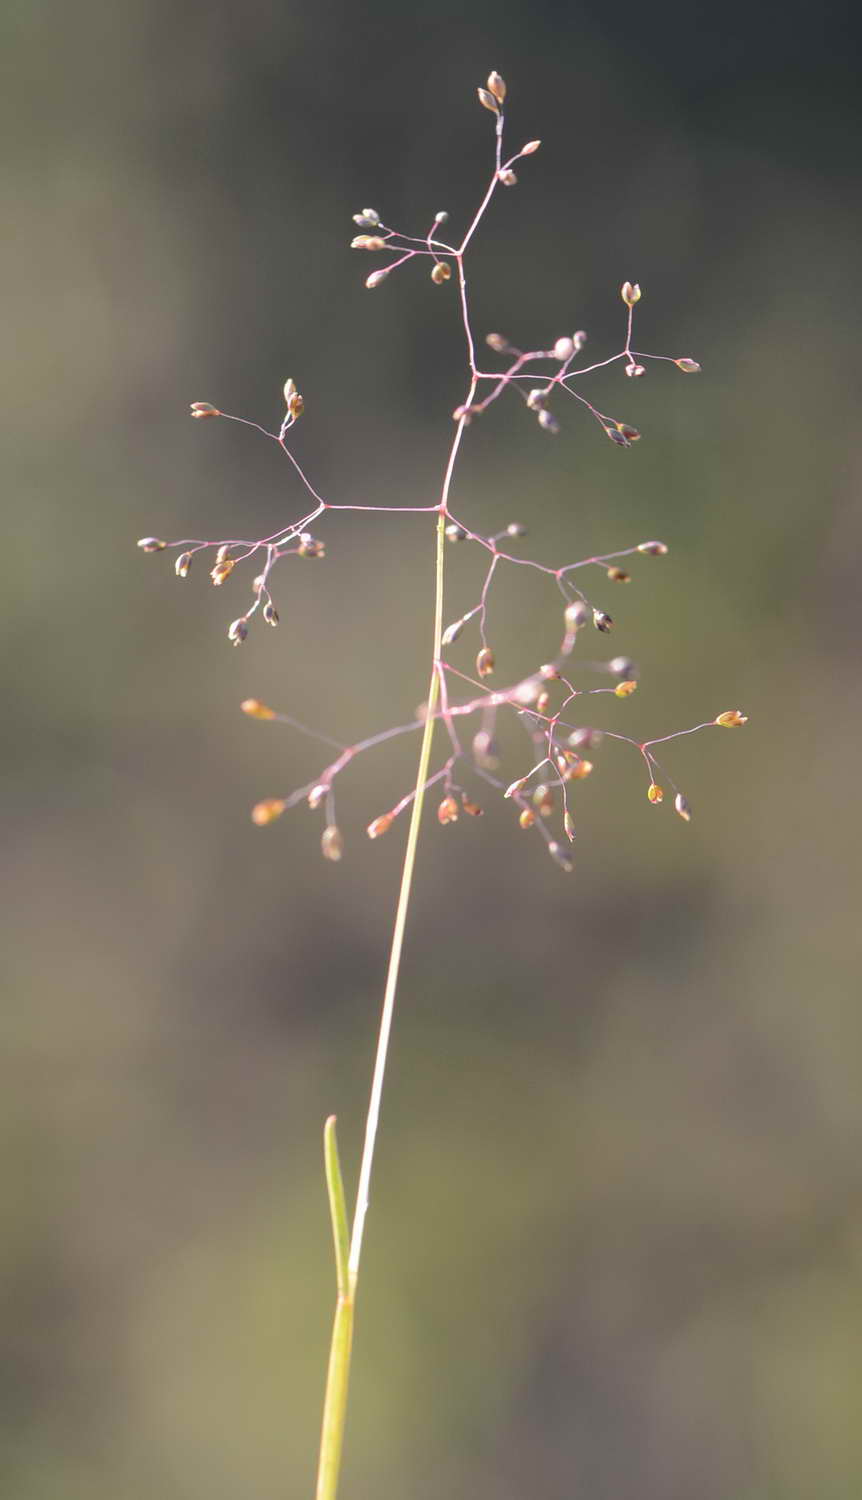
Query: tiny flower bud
x,y
625,689
655,792
497,342
363,221
548,421
270,614
488,100
585,739
223,552
602,621
318,794
496,86
441,216
371,213
485,662
379,826
681,806
331,843
182,565
622,666
508,177
267,811
543,703
255,709
689,366
558,853
296,405
527,817
635,370
579,771
569,826
462,414
530,147
631,434
238,631
441,272
579,339
151,544
456,533
447,812
653,549
577,614
515,528
485,750
376,277
452,632
221,571
472,809
564,348
630,294
515,786
616,437
733,719
367,242
536,399
619,575
543,800
290,385
549,673
204,409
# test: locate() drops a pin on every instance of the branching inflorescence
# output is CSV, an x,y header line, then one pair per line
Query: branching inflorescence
x,y
465,705
541,701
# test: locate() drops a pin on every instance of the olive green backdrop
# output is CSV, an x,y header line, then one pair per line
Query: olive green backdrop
x,y
615,1244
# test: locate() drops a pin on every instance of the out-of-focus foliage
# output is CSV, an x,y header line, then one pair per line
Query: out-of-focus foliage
x,y
615,1240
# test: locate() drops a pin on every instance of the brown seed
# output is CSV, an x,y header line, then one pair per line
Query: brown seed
x,y
379,826
485,662
441,272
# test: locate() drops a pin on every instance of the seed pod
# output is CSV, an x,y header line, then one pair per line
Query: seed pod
x,y
602,621
441,272
619,575
201,409
441,216
447,812
543,703
296,405
497,342
579,339
655,792
485,662
488,100
451,633
223,552
616,437
622,666
379,826
221,571
515,786
536,399
733,719
151,544
362,221
631,434
652,549
462,414
238,631
496,86
367,242
515,528
682,807
270,613
456,533
548,421
630,294
579,771
331,843
569,826
526,817
530,147
635,370
472,809
376,277
267,811
564,348
182,565
508,177
255,709
688,366
558,853
625,689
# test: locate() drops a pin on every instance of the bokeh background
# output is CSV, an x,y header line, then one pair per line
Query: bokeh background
x,y
615,1243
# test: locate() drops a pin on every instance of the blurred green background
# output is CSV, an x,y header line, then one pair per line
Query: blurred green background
x,y
615,1243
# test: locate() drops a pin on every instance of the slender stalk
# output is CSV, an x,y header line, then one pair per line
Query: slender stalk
x,y
335,1401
